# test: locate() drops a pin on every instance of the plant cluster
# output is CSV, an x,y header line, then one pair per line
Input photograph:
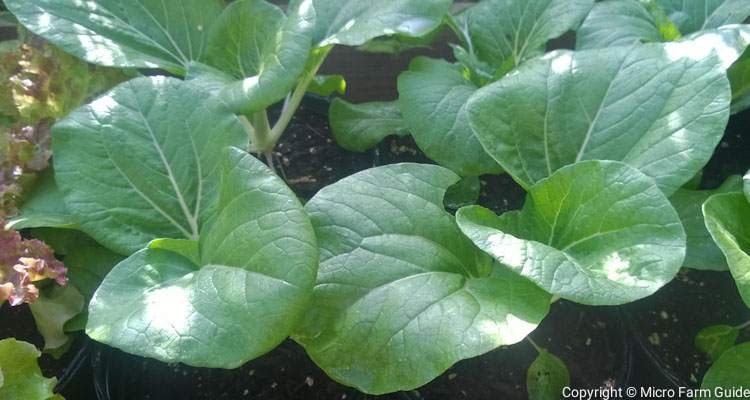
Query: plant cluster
x,y
189,249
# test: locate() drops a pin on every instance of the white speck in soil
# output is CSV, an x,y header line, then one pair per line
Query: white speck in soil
x,y
664,315
588,341
309,381
246,392
252,372
273,385
451,377
654,339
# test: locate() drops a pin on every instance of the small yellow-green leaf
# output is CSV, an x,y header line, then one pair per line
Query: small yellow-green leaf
x,y
714,341
546,377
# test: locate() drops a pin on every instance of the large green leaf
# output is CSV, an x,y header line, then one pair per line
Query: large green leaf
x,y
728,220
659,108
596,232
133,33
512,31
732,370
258,260
264,50
21,377
141,162
702,252
355,22
360,127
695,15
401,294
432,100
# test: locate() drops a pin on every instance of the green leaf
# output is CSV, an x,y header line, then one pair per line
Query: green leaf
x,y
714,341
727,217
732,370
702,252
189,249
327,85
138,33
518,30
360,127
353,23
463,193
258,264
668,30
596,232
432,100
659,108
397,44
739,77
44,207
52,310
88,263
141,162
696,15
266,50
401,294
617,23
21,377
547,377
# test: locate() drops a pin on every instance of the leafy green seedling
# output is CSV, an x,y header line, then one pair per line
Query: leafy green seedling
x,y
715,340
547,376
495,37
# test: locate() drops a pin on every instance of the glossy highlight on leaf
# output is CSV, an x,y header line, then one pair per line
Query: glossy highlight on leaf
x,y
401,294
595,232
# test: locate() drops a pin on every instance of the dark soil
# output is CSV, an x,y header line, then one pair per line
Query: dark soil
x,y
731,155
665,324
307,155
